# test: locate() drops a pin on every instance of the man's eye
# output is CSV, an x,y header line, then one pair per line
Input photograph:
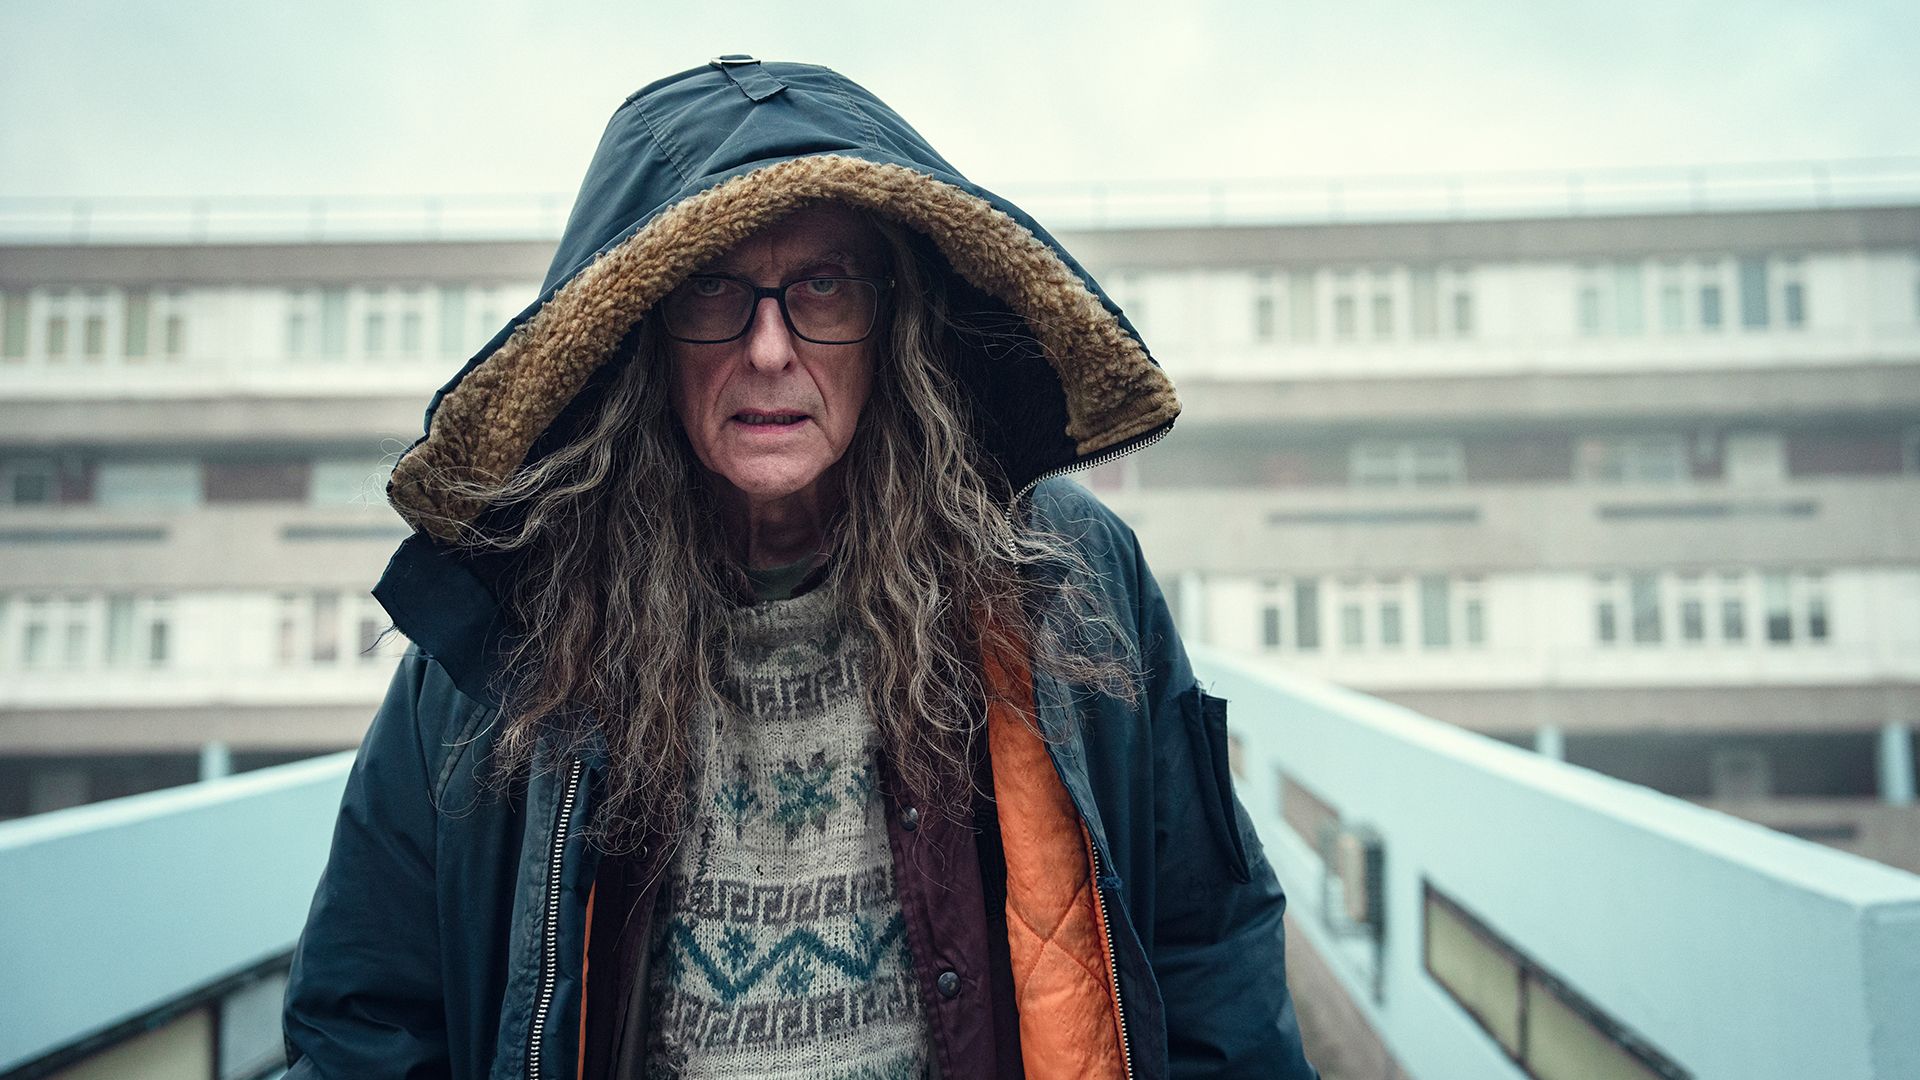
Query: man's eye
x,y
707,287
823,286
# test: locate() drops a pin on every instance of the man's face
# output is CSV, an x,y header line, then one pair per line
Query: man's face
x,y
770,413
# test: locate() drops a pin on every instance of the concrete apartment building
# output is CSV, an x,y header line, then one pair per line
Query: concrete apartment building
x,y
1639,491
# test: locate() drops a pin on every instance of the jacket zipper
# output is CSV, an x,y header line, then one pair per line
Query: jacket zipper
x,y
550,931
1113,967
1093,462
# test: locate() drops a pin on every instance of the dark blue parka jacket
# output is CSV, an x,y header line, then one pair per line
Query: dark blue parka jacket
x,y
448,931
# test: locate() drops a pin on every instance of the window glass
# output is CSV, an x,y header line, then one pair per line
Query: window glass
x,y
1382,305
1777,594
93,336
1816,591
333,323
1753,293
1300,306
139,320
326,627
1644,594
147,483
56,337
348,482
1710,313
1392,632
1436,616
1423,312
1628,302
1306,613
1474,618
13,325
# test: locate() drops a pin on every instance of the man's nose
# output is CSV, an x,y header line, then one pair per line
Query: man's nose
x,y
769,342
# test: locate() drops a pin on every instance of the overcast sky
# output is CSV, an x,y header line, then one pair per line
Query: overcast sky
x,y
144,97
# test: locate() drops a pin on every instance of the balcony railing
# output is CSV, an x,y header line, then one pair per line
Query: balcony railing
x,y
1529,911
1069,205
1485,908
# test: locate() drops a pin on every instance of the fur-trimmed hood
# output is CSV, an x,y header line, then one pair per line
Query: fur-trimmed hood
x,y
690,166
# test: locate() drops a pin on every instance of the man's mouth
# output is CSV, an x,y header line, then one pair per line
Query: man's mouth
x,y
766,418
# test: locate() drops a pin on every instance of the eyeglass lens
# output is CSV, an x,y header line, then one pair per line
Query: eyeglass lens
x,y
824,310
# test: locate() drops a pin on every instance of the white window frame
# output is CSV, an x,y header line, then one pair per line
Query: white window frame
x,y
1398,463
1633,455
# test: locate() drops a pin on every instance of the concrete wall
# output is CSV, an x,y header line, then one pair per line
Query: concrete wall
x,y
1737,952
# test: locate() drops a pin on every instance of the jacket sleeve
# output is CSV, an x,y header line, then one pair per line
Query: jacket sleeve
x,y
1219,952
364,996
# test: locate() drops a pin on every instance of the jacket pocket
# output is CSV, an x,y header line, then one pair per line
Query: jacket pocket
x,y
1216,792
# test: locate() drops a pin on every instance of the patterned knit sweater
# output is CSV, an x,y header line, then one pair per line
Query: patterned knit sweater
x,y
779,946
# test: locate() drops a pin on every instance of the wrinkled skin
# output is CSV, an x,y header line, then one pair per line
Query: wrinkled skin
x,y
778,484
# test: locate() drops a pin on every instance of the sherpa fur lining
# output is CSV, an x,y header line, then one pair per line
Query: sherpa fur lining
x,y
485,426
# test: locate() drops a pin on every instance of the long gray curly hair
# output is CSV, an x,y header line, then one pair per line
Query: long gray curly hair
x,y
621,588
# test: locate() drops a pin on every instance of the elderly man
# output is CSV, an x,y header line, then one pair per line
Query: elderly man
x,y
774,709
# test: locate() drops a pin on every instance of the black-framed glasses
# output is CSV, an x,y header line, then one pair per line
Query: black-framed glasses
x,y
709,309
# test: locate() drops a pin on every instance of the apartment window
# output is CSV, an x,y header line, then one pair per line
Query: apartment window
x,y
1673,299
13,325
1306,614
1346,311
410,322
1271,615
73,652
1301,309
36,632
1462,305
57,337
1590,308
371,621
1693,609
1635,459
348,481
1793,295
297,333
148,483
1606,610
453,319
93,329
1777,594
176,335
119,651
333,323
1407,463
1423,295
139,323
159,629
1815,590
1392,629
1436,616
1753,293
1643,593
326,627
1733,608
373,334
1628,301
1382,304
1473,611
1711,315
1353,616
28,482
376,333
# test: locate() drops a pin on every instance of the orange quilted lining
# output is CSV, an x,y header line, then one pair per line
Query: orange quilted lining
x,y
1069,1017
